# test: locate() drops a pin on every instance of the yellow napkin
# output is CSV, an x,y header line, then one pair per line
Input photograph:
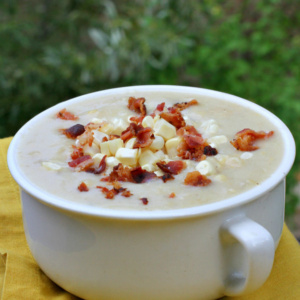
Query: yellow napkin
x,y
21,278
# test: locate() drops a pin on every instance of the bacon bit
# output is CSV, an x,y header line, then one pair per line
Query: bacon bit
x,y
143,138
144,200
184,105
73,131
172,195
119,173
85,165
137,105
172,167
245,139
196,179
83,187
210,151
100,169
174,117
160,107
110,193
74,163
192,146
131,131
104,139
126,193
66,115
137,120
77,152
141,176
166,177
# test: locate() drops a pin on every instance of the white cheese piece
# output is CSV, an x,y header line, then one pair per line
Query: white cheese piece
x,y
147,157
98,136
148,122
114,145
160,155
159,173
157,143
149,167
129,144
127,156
104,147
164,129
234,162
217,140
246,155
91,150
119,126
51,166
112,161
107,128
97,158
207,167
171,146
210,127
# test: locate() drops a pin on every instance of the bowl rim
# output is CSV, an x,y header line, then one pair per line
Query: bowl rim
x,y
205,209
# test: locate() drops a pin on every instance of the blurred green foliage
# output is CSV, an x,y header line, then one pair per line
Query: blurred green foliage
x,y
55,50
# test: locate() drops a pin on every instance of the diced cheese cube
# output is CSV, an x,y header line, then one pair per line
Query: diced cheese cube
x,y
98,136
97,158
107,128
97,121
114,145
217,140
112,161
51,166
147,157
119,126
158,143
127,156
148,122
234,162
156,118
171,146
164,129
160,155
129,144
246,155
149,167
105,148
210,127
206,167
91,150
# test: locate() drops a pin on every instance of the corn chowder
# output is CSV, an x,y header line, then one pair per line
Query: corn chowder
x,y
150,151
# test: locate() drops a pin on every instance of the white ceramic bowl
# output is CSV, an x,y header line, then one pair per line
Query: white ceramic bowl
x,y
204,252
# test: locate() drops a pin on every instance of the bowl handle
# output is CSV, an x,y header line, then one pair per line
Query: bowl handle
x,y
249,251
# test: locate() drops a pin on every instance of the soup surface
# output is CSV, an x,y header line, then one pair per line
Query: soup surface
x,y
166,157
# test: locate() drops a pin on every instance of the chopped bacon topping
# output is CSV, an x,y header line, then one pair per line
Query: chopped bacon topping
x,y
144,200
100,169
143,135
137,105
193,146
166,177
74,163
141,176
66,115
172,195
83,187
119,173
73,131
112,137
245,139
117,189
174,117
160,107
77,152
137,119
196,179
172,167
184,105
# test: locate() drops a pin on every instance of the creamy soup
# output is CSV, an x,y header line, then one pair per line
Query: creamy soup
x,y
187,156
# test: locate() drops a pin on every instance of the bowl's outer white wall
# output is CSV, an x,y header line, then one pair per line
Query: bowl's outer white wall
x,y
140,259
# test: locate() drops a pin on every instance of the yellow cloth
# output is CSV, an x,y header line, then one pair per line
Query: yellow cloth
x,y
21,278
